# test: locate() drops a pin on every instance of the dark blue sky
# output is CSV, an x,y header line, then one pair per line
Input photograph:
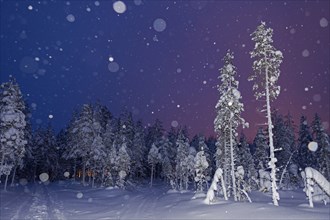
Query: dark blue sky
x,y
166,56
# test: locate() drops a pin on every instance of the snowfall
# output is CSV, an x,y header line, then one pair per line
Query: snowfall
x,y
70,200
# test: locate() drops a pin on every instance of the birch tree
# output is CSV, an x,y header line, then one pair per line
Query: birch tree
x,y
265,76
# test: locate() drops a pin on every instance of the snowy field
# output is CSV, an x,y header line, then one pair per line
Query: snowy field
x,y
67,200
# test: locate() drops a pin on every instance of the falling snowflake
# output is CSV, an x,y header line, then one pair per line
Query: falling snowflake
x,y
43,177
159,25
312,146
66,174
70,18
174,124
119,7
324,22
80,195
113,67
305,53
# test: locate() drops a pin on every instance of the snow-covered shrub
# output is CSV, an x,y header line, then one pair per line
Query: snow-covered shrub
x,y
264,180
218,176
318,192
242,187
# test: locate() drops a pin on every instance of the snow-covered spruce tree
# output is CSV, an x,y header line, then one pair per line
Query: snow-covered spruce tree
x,y
245,159
153,160
21,165
165,162
71,144
181,168
110,143
49,159
212,148
284,139
140,151
261,150
228,109
154,134
12,127
202,145
201,166
191,165
306,157
323,151
172,137
26,171
97,158
83,134
124,164
265,75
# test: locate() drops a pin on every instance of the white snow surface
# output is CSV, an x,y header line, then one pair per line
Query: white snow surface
x,y
59,201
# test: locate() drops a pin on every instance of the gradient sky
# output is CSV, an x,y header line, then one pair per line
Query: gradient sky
x,y
66,53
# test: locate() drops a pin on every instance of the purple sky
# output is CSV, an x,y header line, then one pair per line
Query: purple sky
x,y
168,54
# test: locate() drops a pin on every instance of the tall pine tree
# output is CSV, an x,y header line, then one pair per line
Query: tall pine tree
x,y
265,74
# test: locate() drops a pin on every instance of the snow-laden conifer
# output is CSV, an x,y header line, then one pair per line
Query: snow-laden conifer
x,y
265,76
228,118
12,127
323,143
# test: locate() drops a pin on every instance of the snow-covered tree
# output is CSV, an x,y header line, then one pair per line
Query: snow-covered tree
x,y
165,161
140,151
265,76
245,159
97,158
81,135
201,166
261,150
172,137
323,151
284,139
181,169
153,160
124,164
154,134
12,127
307,158
228,109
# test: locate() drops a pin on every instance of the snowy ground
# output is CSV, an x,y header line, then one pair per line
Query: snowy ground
x,y
64,200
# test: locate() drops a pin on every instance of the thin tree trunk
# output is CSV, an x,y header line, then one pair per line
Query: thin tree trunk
x,y
93,180
1,165
84,174
6,181
284,170
232,162
34,173
13,177
152,173
272,165
74,170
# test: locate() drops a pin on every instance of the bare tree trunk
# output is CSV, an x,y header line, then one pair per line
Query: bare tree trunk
x,y
232,162
152,173
1,165
6,181
93,181
74,169
84,174
13,177
272,162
